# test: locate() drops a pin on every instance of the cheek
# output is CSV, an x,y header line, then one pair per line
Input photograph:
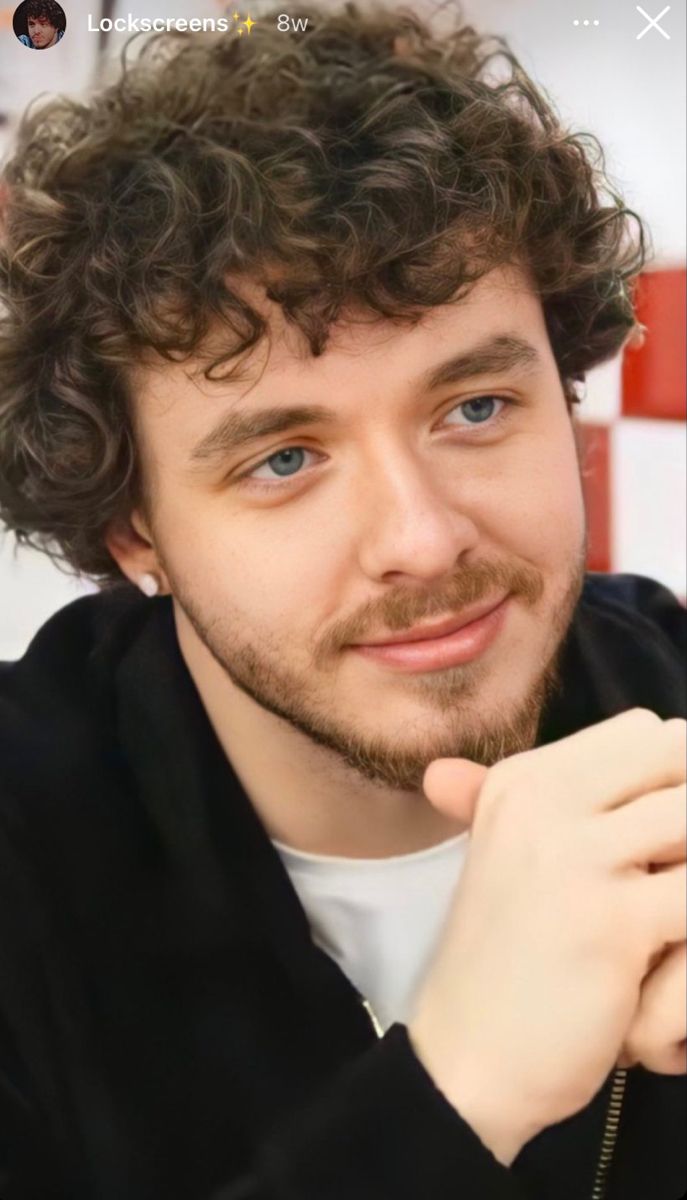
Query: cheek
x,y
536,507
260,565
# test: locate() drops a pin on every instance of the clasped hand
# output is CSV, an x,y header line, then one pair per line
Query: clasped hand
x,y
656,1037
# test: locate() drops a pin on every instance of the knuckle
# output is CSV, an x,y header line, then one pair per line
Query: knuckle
x,y
680,807
675,729
512,783
642,720
675,734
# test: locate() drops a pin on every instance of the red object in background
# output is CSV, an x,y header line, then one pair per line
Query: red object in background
x,y
654,374
596,479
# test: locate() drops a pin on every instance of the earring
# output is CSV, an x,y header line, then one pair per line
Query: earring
x,y
148,585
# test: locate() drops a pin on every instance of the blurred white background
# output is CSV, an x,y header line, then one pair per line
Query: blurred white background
x,y
604,79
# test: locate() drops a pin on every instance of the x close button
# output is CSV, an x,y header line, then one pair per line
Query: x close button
x,y
653,23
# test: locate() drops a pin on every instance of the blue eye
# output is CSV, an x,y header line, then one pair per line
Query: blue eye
x,y
285,460
479,410
285,463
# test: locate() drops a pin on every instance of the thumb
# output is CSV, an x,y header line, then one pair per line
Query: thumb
x,y
452,785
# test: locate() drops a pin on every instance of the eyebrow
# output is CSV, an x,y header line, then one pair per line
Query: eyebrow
x,y
238,428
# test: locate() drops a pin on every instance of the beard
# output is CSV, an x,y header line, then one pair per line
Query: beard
x,y
300,696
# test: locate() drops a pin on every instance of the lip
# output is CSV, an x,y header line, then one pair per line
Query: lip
x,y
439,628
452,644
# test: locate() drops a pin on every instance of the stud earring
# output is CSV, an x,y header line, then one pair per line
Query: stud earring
x,y
148,585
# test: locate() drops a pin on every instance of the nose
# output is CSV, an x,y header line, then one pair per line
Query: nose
x,y
411,519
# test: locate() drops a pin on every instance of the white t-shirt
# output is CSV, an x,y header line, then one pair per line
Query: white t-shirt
x,y
379,919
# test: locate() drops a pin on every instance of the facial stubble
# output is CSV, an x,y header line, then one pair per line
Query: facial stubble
x,y
453,694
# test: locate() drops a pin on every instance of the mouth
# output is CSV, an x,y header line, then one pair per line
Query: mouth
x,y
439,628
452,642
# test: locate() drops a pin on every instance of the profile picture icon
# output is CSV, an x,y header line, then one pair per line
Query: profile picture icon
x,y
39,24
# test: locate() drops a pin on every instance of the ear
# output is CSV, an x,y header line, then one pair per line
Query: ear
x,y
131,544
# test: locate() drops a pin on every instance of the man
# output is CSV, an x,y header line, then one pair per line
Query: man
x,y
311,310
45,24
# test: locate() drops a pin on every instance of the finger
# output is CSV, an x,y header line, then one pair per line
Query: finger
x,y
452,785
656,1038
602,767
660,906
651,829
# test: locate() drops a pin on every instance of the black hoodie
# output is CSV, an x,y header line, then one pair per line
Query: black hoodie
x,y
168,1028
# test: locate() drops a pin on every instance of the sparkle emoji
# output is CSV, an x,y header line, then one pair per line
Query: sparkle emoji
x,y
248,24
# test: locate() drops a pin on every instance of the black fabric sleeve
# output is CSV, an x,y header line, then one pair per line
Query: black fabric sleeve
x,y
28,1162
653,600
381,1131
660,604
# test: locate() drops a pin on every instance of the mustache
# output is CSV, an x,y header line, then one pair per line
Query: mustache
x,y
403,609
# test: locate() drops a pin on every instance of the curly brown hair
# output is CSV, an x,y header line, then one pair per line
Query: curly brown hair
x,y
367,161
46,10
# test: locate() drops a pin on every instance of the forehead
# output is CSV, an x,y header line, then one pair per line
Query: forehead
x,y
365,359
